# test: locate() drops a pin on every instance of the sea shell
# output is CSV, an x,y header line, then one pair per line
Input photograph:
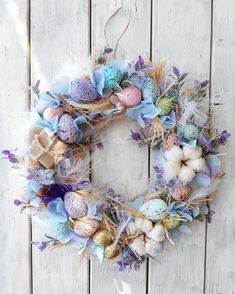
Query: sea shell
x,y
181,192
112,76
86,226
102,238
67,130
111,252
150,89
171,222
83,90
74,205
129,96
154,209
190,132
165,104
50,113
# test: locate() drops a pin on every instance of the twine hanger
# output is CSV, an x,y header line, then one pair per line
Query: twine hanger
x,y
109,24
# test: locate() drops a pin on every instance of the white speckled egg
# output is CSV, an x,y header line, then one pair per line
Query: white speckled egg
x,y
86,226
154,209
75,205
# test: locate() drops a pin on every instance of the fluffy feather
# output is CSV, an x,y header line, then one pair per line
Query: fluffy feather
x,y
203,192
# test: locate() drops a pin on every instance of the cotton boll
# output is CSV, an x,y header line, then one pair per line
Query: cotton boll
x,y
174,154
132,229
186,174
144,225
152,247
197,164
157,234
192,153
172,169
138,245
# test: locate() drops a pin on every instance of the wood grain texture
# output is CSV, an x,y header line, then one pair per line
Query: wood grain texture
x,y
14,232
122,160
60,46
220,262
181,36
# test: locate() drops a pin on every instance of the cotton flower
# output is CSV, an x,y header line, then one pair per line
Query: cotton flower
x,y
183,163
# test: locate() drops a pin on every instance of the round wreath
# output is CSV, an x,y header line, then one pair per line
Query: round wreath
x,y
171,118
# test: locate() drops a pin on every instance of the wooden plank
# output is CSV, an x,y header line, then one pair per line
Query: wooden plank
x,y
220,267
60,47
15,243
121,160
181,36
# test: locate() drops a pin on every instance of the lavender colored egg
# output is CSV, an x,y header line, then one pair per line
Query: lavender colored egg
x,y
83,91
67,130
50,113
130,96
75,205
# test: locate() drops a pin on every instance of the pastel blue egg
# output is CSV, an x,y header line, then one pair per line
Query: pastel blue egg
x,y
190,132
112,76
154,209
150,89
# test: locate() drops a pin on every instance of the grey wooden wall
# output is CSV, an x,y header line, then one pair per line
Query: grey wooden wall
x,y
44,39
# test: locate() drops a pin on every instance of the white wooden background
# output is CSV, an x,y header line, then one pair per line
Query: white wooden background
x,y
42,39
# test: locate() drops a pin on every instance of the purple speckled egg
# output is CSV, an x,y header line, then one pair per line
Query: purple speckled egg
x,y
83,90
50,113
67,130
75,205
130,96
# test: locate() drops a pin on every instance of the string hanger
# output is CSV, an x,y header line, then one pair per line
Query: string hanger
x,y
110,26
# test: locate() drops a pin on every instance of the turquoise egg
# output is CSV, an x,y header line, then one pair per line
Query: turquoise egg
x,y
154,209
190,132
112,76
150,89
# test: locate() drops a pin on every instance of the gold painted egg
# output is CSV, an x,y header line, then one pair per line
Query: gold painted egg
x,y
111,252
171,222
102,237
86,226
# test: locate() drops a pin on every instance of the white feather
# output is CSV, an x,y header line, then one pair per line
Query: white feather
x,y
205,191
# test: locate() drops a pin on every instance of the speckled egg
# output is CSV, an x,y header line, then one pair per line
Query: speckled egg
x,y
83,90
154,209
112,76
102,237
86,226
130,96
190,132
50,113
111,252
181,192
150,89
171,222
165,104
75,205
67,130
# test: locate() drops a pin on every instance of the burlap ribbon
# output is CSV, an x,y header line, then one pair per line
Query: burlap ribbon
x,y
47,150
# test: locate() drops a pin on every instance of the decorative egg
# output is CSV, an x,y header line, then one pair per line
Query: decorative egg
x,y
67,130
154,209
165,104
171,222
83,90
129,96
102,238
86,226
75,205
111,252
181,192
112,76
50,113
150,89
190,132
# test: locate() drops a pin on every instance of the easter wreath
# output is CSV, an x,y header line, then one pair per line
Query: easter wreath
x,y
172,119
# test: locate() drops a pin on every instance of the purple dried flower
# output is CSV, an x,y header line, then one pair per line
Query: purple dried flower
x,y
100,145
135,136
35,88
108,50
157,169
139,65
10,156
17,202
224,137
176,71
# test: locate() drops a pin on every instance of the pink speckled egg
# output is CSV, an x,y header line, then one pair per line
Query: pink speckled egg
x,y
74,205
86,226
130,96
50,113
181,192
